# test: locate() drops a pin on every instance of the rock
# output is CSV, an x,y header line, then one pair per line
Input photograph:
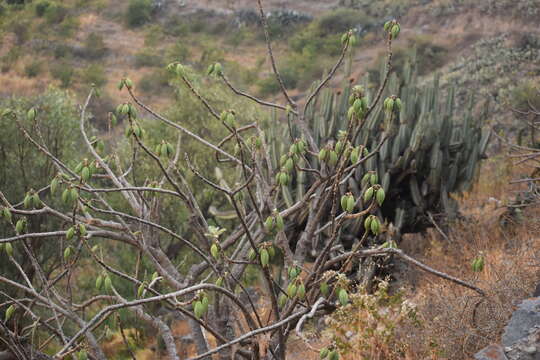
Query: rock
x,y
491,352
525,318
527,348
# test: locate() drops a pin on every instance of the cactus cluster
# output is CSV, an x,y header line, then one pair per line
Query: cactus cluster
x,y
429,152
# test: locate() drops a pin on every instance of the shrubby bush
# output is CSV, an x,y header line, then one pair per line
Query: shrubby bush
x,y
33,68
41,7
95,46
524,94
55,13
139,12
94,74
155,82
64,72
322,35
424,51
148,57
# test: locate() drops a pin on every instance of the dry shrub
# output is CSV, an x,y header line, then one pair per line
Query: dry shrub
x,y
368,327
456,321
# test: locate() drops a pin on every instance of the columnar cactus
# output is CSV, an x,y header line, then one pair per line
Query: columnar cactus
x,y
430,151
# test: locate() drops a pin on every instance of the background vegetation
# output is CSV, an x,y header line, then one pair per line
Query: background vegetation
x,y
490,48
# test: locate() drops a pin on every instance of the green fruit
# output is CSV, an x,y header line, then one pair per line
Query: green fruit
x,y
73,195
70,232
230,120
301,146
324,353
204,303
355,155
398,104
344,199
333,158
282,300
170,149
280,225
343,297
180,70
333,355
368,195
379,196
367,223
9,312
36,201
374,178
271,251
283,159
137,131
108,284
350,113
301,292
65,196
9,249
351,203
375,226
389,104
20,225
325,289
79,167
219,281
269,224
67,253
289,165
338,147
344,38
291,290
218,69
387,25
323,154
293,148
265,257
82,230
157,150
198,309
128,82
294,272
27,202
6,213
478,264
129,131
395,31
282,178
214,250
99,282
82,355
31,114
357,105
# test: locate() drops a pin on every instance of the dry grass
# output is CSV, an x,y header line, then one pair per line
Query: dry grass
x,y
457,322
454,322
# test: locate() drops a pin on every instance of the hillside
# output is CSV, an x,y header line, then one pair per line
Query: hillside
x,y
230,192
74,46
